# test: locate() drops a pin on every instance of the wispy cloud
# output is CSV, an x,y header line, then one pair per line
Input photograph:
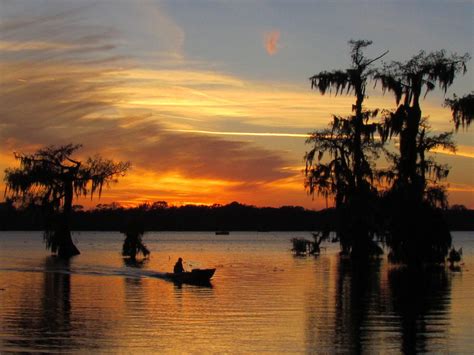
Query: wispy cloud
x,y
271,41
461,151
187,129
18,46
251,134
51,97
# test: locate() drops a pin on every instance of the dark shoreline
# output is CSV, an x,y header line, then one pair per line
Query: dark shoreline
x,y
231,217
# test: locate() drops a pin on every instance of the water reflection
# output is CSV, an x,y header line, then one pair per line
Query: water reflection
x,y
44,317
57,296
421,299
319,307
134,263
377,308
358,294
263,300
196,284
135,300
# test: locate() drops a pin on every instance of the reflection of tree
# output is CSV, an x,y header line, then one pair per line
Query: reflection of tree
x,y
341,308
417,295
376,308
134,297
357,294
135,300
48,324
57,296
138,264
319,332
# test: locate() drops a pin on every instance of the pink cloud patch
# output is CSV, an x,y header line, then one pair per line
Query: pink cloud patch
x,y
271,41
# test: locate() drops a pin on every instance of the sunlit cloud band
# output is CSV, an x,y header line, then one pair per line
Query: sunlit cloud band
x,y
253,134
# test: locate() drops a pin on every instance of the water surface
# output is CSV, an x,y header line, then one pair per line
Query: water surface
x,y
262,298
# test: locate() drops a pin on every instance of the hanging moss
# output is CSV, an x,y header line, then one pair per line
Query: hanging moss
x,y
462,109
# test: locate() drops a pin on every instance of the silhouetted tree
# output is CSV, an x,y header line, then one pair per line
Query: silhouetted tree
x,y
457,207
416,233
407,81
51,177
133,245
302,246
352,148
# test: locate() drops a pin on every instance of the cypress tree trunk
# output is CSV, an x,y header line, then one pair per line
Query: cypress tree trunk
x,y
410,177
66,247
358,199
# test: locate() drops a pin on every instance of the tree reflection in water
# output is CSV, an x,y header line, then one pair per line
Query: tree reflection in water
x,y
418,297
46,323
134,293
57,296
375,307
357,295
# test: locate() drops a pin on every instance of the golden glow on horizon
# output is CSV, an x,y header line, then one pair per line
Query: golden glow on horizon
x,y
196,102
461,188
199,100
139,187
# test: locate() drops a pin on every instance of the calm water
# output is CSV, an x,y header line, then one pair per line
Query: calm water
x,y
262,299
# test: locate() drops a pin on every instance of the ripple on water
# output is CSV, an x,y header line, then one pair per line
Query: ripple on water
x,y
261,299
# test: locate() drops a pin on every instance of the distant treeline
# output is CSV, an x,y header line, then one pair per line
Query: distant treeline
x,y
160,216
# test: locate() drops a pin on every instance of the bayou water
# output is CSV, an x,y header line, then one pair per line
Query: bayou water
x,y
261,299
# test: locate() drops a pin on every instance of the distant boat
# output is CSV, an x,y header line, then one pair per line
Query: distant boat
x,y
195,276
222,233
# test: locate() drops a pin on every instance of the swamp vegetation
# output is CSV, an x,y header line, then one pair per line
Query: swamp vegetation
x,y
51,178
400,205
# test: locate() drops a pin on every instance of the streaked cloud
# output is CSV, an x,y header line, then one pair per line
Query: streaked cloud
x,y
17,46
461,151
194,132
271,41
51,98
181,77
250,134
461,188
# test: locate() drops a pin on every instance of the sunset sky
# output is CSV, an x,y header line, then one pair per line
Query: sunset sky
x,y
209,100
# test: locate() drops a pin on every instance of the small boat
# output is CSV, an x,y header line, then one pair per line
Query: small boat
x,y
222,233
195,276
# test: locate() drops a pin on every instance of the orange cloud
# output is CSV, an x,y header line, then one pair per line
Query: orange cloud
x,y
189,133
251,134
271,41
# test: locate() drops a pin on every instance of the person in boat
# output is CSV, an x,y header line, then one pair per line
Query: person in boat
x,y
178,267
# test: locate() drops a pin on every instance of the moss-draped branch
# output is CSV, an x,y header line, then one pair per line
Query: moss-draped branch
x,y
42,176
423,72
462,109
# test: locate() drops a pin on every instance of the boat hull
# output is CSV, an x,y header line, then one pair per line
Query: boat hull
x,y
195,276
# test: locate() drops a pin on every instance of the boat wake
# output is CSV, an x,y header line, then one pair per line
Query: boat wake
x,y
95,270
